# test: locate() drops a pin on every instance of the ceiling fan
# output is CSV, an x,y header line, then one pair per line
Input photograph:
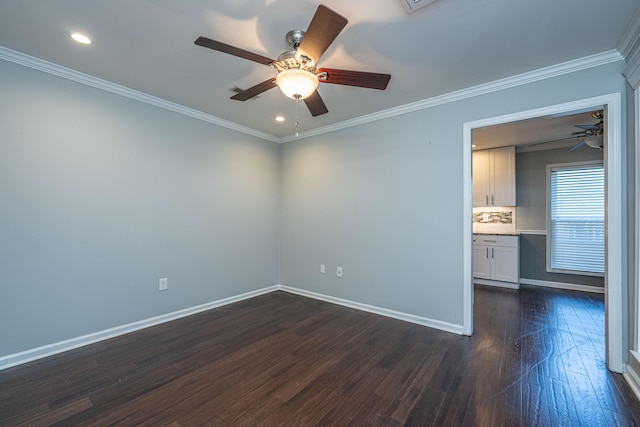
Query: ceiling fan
x,y
298,76
591,134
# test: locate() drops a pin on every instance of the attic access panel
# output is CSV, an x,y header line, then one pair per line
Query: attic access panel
x,y
413,5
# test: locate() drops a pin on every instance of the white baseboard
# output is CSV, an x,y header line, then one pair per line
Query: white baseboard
x,y
70,344
497,283
73,343
560,285
424,321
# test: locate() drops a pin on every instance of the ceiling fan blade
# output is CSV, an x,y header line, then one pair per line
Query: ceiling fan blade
x,y
232,50
578,145
354,78
255,90
315,104
589,127
323,30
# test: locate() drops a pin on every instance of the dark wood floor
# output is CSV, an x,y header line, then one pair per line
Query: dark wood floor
x,y
536,358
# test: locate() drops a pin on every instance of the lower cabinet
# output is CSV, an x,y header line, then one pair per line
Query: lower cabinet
x,y
496,260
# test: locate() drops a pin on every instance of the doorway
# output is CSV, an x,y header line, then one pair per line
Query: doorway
x,y
611,104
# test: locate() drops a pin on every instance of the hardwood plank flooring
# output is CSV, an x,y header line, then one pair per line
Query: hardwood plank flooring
x,y
536,359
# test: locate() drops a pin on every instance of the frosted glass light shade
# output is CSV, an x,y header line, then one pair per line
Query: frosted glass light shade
x,y
594,141
296,83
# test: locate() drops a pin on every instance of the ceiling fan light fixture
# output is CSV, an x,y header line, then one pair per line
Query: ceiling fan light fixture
x,y
297,83
594,141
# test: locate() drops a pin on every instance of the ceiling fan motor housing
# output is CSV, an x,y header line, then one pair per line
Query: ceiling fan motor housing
x,y
294,37
287,61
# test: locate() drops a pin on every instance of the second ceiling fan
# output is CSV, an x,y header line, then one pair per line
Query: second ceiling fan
x,y
591,135
298,76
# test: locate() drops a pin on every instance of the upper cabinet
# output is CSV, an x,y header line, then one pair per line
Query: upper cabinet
x,y
494,177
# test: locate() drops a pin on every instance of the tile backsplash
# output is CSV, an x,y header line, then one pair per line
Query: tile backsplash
x,y
494,219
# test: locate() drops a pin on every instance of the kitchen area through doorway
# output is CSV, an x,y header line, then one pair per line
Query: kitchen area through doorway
x,y
538,202
527,131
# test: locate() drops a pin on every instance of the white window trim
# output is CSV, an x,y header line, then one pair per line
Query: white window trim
x,y
636,311
550,167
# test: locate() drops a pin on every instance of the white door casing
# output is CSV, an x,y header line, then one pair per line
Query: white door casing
x,y
613,179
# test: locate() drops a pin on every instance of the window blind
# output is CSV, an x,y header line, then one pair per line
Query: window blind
x,y
576,218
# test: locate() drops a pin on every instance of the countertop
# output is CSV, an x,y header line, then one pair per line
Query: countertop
x,y
497,233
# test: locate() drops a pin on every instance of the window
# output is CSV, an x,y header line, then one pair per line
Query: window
x,y
575,221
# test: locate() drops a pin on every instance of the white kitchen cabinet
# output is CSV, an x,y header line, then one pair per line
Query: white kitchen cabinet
x,y
496,260
494,177
481,262
481,178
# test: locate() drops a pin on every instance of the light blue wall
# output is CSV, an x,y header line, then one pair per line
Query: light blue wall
x,y
101,196
531,193
384,200
531,182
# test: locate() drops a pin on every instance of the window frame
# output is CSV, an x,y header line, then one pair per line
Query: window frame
x,y
571,165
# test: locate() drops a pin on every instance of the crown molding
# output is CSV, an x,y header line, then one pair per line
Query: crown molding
x,y
86,79
629,47
632,69
631,35
506,83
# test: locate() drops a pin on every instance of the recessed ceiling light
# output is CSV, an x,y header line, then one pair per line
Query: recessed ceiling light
x,y
473,145
279,119
81,38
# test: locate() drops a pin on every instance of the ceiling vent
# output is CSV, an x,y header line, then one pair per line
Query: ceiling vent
x,y
413,5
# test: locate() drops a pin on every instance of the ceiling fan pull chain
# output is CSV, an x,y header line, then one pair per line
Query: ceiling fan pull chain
x,y
297,109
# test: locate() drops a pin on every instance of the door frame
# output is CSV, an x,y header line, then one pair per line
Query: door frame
x,y
613,170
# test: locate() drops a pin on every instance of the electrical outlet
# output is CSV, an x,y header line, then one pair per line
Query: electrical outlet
x,y
163,284
322,269
339,272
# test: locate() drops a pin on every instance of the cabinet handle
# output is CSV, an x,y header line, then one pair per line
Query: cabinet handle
x,y
492,202
491,253
487,199
492,241
487,253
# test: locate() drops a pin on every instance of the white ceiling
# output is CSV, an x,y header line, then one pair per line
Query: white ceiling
x,y
540,133
147,45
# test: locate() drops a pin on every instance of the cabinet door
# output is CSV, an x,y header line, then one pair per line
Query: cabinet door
x,y
503,177
481,178
481,262
505,264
